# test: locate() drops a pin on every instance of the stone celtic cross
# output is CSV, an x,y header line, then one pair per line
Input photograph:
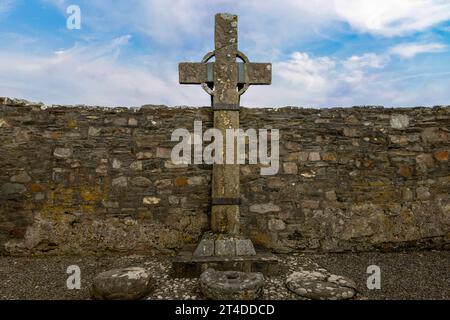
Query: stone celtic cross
x,y
225,79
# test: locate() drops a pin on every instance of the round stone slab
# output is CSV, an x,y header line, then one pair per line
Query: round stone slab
x,y
122,284
321,285
231,285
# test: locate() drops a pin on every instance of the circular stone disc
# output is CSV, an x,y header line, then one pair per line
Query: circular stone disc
x,y
122,284
231,285
320,285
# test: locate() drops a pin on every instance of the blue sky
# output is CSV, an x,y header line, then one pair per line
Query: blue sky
x,y
325,53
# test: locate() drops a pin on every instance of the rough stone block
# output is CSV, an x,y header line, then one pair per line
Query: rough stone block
x,y
290,168
264,208
244,247
226,247
62,153
314,156
205,248
399,121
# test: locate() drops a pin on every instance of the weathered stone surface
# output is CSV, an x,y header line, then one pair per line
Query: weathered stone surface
x,y
111,204
276,225
21,136
144,155
102,169
399,121
181,182
151,200
321,285
94,132
373,207
192,73
21,177
225,69
186,264
290,168
225,219
225,94
196,181
264,208
405,171
231,285
4,124
164,183
434,135
244,247
136,165
121,122
225,177
132,122
330,195
123,284
426,159
116,164
423,193
120,182
62,153
141,182
163,153
205,248
39,196
225,247
13,188
314,156
441,155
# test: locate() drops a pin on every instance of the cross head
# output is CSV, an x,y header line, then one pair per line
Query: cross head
x,y
225,79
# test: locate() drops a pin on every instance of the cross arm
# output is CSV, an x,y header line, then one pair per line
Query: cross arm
x,y
192,72
258,73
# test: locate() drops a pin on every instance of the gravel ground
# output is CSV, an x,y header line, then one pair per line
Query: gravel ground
x,y
414,275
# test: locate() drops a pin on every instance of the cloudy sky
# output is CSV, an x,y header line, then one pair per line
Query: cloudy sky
x,y
324,52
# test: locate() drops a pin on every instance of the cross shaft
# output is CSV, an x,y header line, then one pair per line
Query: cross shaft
x,y
225,80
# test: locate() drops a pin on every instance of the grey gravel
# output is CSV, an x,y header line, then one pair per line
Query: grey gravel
x,y
413,275
404,275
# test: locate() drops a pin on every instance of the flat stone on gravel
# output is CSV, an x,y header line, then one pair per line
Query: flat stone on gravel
x,y
123,284
320,285
231,285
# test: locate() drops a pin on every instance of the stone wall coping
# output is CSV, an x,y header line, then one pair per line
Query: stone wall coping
x,y
16,102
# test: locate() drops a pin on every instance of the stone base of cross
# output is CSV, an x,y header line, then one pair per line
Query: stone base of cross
x,y
224,245
225,79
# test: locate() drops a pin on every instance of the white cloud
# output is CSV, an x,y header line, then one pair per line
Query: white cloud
x,y
94,74
266,25
370,60
89,75
319,81
302,70
392,17
97,76
366,79
410,50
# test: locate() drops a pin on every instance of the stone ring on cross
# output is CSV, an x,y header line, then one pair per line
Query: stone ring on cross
x,y
242,85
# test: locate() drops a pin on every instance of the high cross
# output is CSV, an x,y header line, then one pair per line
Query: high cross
x,y
225,79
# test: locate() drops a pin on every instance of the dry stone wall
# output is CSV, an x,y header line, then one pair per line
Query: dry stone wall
x,y
86,180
